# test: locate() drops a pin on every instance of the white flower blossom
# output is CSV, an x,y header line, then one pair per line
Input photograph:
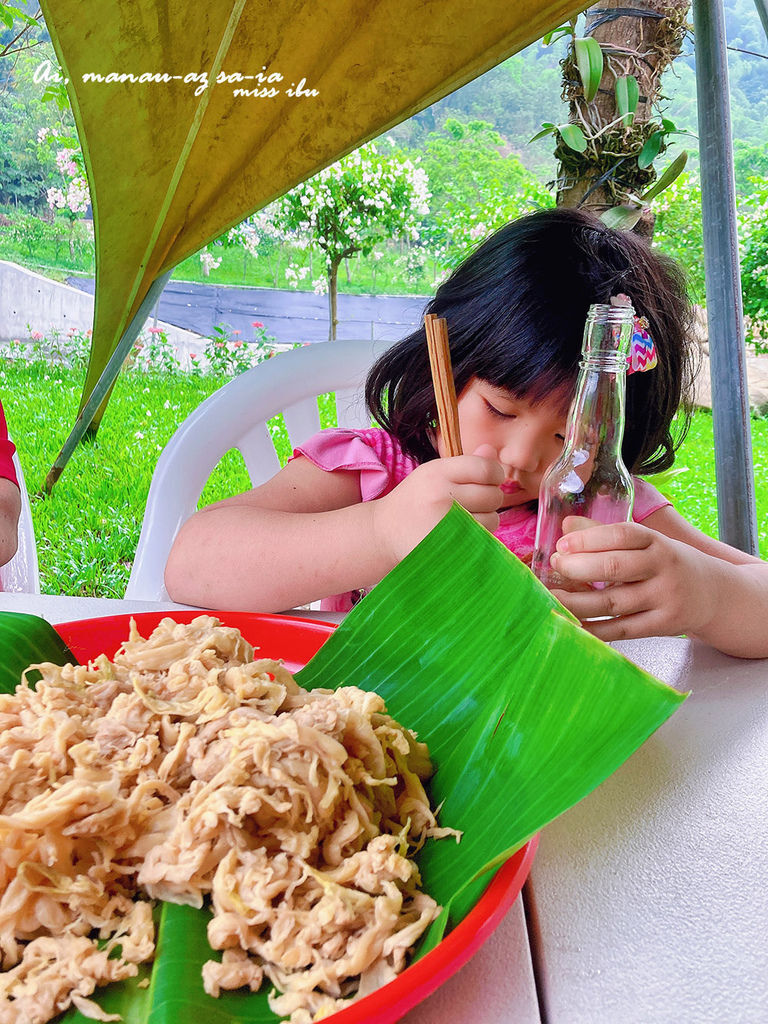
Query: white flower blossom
x,y
56,198
208,261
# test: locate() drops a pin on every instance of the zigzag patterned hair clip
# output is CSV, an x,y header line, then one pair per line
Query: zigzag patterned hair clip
x,y
642,351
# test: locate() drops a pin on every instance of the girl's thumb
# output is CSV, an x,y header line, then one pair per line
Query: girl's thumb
x,y
486,451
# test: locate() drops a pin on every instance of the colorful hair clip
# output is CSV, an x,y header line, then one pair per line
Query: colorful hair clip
x,y
642,351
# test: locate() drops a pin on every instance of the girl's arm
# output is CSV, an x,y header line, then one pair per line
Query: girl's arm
x,y
306,534
670,578
10,509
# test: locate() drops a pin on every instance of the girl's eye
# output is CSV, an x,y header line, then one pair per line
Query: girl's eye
x,y
560,437
497,412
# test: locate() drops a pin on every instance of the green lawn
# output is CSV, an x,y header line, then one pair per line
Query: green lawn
x,y
88,529
693,491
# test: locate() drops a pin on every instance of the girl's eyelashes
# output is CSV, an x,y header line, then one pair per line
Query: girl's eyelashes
x,y
497,412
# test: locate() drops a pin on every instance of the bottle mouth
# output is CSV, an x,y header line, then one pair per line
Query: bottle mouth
x,y
608,333
610,312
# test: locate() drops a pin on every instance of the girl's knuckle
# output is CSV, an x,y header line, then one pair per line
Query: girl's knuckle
x,y
621,630
613,602
625,532
612,567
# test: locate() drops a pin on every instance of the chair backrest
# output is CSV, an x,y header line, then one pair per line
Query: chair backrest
x,y
21,574
236,417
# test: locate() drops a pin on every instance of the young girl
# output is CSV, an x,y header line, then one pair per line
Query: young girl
x,y
351,504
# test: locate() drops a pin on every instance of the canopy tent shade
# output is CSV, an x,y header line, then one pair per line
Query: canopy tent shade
x,y
173,163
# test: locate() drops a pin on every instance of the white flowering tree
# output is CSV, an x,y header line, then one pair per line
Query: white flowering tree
x,y
352,205
208,261
71,196
260,236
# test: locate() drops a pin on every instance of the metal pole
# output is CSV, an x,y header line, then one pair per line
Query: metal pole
x,y
106,380
762,10
737,518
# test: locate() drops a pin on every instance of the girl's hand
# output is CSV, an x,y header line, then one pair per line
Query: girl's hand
x,y
406,515
659,586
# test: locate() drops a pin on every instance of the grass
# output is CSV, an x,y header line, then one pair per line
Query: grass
x,y
693,491
87,530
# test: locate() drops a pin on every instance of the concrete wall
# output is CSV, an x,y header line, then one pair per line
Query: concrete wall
x,y
29,298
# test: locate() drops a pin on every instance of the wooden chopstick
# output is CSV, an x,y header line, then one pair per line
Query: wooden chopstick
x,y
442,380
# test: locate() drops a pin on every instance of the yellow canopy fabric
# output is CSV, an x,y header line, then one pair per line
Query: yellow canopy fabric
x,y
170,170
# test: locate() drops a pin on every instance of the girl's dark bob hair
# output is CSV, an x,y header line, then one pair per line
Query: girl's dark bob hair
x,y
516,309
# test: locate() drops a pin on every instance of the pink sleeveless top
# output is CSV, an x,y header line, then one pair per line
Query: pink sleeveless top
x,y
382,464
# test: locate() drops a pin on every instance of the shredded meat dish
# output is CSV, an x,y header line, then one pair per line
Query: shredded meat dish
x,y
187,771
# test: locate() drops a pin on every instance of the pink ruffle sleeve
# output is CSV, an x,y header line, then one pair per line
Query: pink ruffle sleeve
x,y
7,448
373,453
647,500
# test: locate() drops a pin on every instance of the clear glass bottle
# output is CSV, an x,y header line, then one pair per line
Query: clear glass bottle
x,y
590,478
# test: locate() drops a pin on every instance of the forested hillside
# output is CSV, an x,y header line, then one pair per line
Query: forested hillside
x,y
522,92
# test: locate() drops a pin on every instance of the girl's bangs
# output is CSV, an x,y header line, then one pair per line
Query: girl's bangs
x,y
528,372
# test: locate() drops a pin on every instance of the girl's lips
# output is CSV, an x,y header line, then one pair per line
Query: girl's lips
x,y
510,487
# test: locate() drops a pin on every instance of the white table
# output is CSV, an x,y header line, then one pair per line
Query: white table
x,y
652,893
648,900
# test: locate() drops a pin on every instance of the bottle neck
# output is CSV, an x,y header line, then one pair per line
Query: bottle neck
x,y
596,418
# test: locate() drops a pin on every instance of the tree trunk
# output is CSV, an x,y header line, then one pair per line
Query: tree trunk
x,y
333,274
643,43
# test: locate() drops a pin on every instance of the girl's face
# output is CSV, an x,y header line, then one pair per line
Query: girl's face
x,y
527,437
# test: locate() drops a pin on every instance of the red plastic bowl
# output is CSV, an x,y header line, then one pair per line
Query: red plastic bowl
x,y
295,640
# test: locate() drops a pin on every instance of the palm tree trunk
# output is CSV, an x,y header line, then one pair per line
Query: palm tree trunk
x,y
642,42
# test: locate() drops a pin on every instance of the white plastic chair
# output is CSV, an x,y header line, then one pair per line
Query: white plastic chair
x,y
236,417
21,574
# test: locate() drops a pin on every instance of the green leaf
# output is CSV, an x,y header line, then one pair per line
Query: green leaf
x,y
25,639
547,129
650,150
556,33
573,137
627,96
621,218
57,92
674,170
523,710
589,61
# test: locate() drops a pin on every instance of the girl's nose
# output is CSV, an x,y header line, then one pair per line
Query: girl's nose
x,y
522,453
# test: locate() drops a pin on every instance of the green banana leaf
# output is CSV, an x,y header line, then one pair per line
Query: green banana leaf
x,y
25,639
524,713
